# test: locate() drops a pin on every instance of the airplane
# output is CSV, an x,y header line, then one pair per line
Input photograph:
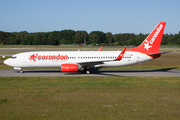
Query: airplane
x,y
74,61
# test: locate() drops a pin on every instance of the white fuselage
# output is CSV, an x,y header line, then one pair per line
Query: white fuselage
x,y
45,59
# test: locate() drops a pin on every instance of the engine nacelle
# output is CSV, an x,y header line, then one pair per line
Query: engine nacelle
x,y
70,67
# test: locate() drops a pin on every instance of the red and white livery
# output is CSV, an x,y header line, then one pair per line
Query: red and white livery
x,y
74,61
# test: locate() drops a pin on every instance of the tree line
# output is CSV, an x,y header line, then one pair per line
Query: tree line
x,y
78,37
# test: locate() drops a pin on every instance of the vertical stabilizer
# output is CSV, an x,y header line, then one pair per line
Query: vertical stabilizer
x,y
152,43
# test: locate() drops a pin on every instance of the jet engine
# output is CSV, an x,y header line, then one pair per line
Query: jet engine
x,y
71,67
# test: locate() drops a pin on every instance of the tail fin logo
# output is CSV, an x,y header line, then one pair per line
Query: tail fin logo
x,y
153,41
158,30
146,46
156,33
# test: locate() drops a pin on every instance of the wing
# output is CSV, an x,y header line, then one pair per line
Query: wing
x,y
92,63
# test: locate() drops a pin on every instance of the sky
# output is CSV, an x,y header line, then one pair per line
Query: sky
x,y
115,16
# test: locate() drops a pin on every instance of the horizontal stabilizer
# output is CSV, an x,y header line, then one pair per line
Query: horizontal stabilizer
x,y
159,53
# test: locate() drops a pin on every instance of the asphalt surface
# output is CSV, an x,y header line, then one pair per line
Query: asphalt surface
x,y
93,73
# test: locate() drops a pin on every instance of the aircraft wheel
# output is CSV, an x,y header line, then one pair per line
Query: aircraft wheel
x,y
21,71
88,71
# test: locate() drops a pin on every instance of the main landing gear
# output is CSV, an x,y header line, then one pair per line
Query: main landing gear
x,y
86,70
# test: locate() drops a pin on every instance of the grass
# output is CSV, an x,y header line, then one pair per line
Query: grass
x,y
89,98
3,66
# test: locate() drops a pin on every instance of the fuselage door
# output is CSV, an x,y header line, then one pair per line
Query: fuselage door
x,y
137,57
24,58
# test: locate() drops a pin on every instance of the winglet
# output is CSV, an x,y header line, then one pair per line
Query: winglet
x,y
100,49
121,55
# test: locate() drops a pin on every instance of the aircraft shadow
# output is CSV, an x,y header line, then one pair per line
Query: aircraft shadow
x,y
156,70
100,72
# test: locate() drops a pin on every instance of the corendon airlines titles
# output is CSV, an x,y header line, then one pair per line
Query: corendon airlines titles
x,y
156,34
48,57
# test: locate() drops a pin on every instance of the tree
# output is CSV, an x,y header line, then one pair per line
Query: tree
x,y
71,36
23,35
27,40
109,38
93,38
63,41
132,36
66,35
80,36
164,39
139,39
97,37
2,37
50,39
118,39
17,39
39,39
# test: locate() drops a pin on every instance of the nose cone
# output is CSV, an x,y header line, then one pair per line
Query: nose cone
x,y
6,62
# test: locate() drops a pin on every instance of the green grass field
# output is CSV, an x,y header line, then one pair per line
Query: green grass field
x,y
97,98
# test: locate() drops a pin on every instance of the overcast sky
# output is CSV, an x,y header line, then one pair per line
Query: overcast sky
x,y
115,16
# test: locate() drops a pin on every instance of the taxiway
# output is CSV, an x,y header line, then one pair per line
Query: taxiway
x,y
93,73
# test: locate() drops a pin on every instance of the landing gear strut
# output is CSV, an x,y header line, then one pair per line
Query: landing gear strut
x,y
21,71
86,70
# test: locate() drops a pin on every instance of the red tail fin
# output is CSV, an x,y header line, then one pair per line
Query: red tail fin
x,y
152,43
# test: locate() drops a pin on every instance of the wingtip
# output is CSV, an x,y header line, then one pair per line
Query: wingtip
x,y
100,49
121,55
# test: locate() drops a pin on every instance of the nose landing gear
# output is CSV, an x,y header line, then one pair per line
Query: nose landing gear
x,y
21,71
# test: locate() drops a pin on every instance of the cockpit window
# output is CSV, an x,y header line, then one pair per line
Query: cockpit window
x,y
13,57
